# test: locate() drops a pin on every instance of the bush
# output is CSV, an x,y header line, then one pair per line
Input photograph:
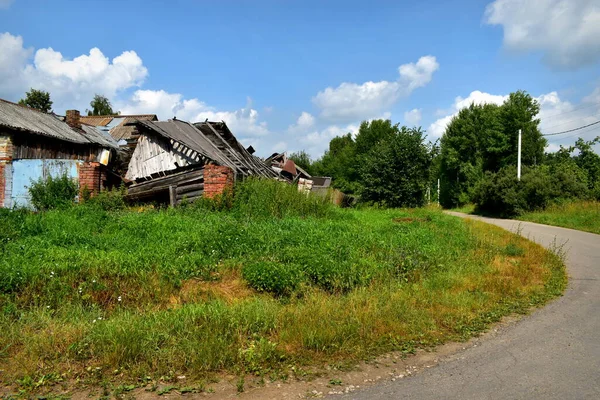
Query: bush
x,y
503,195
273,277
110,200
50,193
270,198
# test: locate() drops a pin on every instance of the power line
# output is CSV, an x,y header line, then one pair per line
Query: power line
x,y
575,109
571,130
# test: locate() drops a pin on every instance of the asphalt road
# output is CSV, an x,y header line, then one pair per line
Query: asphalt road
x,y
554,353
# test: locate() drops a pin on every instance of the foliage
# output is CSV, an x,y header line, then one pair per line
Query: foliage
x,y
302,159
395,172
101,106
502,194
38,99
577,214
107,200
265,198
483,138
162,293
53,192
274,277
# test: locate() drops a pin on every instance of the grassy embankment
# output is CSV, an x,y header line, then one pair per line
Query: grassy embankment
x,y
581,215
137,297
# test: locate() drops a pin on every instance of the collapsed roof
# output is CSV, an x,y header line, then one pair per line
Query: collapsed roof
x,y
186,144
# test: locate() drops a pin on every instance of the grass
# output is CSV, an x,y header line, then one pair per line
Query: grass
x,y
112,299
581,215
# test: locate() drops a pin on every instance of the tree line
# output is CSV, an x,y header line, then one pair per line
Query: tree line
x,y
475,160
40,100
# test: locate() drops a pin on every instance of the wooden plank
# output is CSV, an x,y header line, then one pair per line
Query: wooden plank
x,y
164,182
172,195
190,195
189,188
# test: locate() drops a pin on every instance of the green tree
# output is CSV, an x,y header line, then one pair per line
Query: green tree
x,y
38,99
101,106
339,162
395,172
302,159
483,138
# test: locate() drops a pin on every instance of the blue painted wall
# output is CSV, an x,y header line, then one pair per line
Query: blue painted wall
x,y
26,171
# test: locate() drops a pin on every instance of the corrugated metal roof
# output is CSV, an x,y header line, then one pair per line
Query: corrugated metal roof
x,y
99,136
29,120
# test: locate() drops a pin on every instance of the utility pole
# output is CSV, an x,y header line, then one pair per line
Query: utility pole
x,y
438,192
519,158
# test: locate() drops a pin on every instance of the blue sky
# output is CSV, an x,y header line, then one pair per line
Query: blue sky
x,y
290,75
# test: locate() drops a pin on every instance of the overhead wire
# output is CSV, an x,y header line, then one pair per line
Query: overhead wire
x,y
571,130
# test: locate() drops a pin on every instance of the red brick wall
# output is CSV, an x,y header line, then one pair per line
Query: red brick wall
x,y
92,176
216,179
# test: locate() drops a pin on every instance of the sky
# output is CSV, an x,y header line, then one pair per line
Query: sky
x,y
291,75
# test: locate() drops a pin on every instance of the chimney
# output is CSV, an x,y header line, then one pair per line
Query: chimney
x,y
73,120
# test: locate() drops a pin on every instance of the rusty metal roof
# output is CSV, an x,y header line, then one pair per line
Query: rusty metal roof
x,y
104,120
22,118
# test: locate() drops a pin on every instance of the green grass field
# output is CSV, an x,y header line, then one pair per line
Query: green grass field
x,y
581,215
90,297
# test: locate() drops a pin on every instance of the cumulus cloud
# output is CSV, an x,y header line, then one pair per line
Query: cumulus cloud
x,y
352,101
71,83
243,122
304,122
317,141
565,31
412,117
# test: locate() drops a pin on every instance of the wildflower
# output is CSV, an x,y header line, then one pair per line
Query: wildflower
x,y
47,306
94,321
119,298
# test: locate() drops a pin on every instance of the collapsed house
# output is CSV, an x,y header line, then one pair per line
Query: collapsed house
x,y
35,145
176,160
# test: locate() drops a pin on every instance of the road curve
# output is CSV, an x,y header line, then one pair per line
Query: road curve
x,y
554,353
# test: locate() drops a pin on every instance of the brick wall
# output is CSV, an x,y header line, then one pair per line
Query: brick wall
x,y
216,179
92,175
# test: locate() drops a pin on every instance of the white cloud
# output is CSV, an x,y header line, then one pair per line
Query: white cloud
x,y
316,142
5,4
242,122
565,31
71,83
412,117
352,101
304,122
437,128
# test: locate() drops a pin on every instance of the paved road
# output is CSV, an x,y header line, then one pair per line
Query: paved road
x,y
552,354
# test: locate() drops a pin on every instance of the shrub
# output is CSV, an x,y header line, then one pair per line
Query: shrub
x,y
502,194
50,193
269,198
273,277
109,200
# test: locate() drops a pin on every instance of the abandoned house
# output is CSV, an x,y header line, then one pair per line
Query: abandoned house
x,y
35,145
175,159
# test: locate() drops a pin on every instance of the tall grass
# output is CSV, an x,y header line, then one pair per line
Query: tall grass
x,y
581,215
254,288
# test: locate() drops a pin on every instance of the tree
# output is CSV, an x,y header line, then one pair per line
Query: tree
x,y
483,138
101,106
339,162
38,99
302,160
395,172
